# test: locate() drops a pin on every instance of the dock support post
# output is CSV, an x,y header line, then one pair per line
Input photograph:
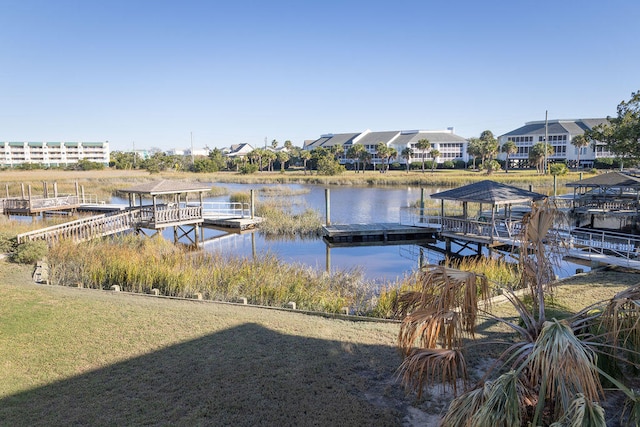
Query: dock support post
x,y
328,259
22,188
555,185
55,189
252,199
6,186
421,204
327,205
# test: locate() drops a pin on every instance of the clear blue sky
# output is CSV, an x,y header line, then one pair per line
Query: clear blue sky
x,y
154,72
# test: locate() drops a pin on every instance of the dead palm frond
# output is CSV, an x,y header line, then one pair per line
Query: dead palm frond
x,y
621,320
502,407
563,366
433,366
535,263
430,328
582,412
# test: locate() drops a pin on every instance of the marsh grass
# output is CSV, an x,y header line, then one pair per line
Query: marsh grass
x,y
140,265
280,221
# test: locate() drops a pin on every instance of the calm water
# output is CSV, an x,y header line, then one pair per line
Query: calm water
x,y
348,204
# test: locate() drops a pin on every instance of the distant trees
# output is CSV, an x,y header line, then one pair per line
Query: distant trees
x,y
355,152
538,153
622,134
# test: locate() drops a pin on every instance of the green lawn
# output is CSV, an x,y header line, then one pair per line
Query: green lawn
x,y
85,357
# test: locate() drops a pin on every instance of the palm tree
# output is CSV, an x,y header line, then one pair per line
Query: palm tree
x,y
407,152
509,148
354,152
546,375
488,145
538,153
423,145
282,157
365,158
383,153
305,155
392,154
270,157
579,141
337,151
474,149
434,155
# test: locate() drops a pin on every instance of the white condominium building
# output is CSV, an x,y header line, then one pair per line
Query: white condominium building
x,y
52,154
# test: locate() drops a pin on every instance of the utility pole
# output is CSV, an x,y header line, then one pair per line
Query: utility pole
x,y
546,138
133,143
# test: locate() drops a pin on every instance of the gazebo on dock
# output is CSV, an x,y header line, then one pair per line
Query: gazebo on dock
x,y
169,207
496,225
609,191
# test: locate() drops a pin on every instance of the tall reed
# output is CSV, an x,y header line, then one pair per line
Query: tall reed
x,y
142,264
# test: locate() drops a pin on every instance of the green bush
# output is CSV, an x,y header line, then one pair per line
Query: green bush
x,y
248,168
30,252
7,242
448,164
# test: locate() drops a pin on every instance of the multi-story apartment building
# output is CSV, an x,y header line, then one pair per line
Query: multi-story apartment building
x,y
559,134
450,146
53,154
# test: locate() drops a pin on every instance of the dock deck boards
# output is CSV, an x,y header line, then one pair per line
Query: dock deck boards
x,y
381,233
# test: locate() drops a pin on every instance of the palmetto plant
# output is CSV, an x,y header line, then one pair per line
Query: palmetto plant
x,y
549,374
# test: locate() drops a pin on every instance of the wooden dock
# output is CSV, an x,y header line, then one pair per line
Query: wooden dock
x,y
231,223
376,234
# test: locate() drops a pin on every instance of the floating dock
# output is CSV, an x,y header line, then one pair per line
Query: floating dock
x,y
228,223
376,234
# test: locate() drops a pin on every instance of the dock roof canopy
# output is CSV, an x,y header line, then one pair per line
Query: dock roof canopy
x,y
608,180
168,187
490,192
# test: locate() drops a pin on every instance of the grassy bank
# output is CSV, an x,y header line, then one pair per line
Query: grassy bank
x,y
106,181
88,357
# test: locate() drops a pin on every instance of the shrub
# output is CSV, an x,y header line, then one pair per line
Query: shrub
x,y
30,252
329,166
7,242
248,168
448,164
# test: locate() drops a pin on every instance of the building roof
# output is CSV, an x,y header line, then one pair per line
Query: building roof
x,y
374,138
572,127
330,140
608,180
168,187
490,192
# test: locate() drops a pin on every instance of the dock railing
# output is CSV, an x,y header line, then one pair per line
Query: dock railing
x,y
500,227
85,228
606,242
225,209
